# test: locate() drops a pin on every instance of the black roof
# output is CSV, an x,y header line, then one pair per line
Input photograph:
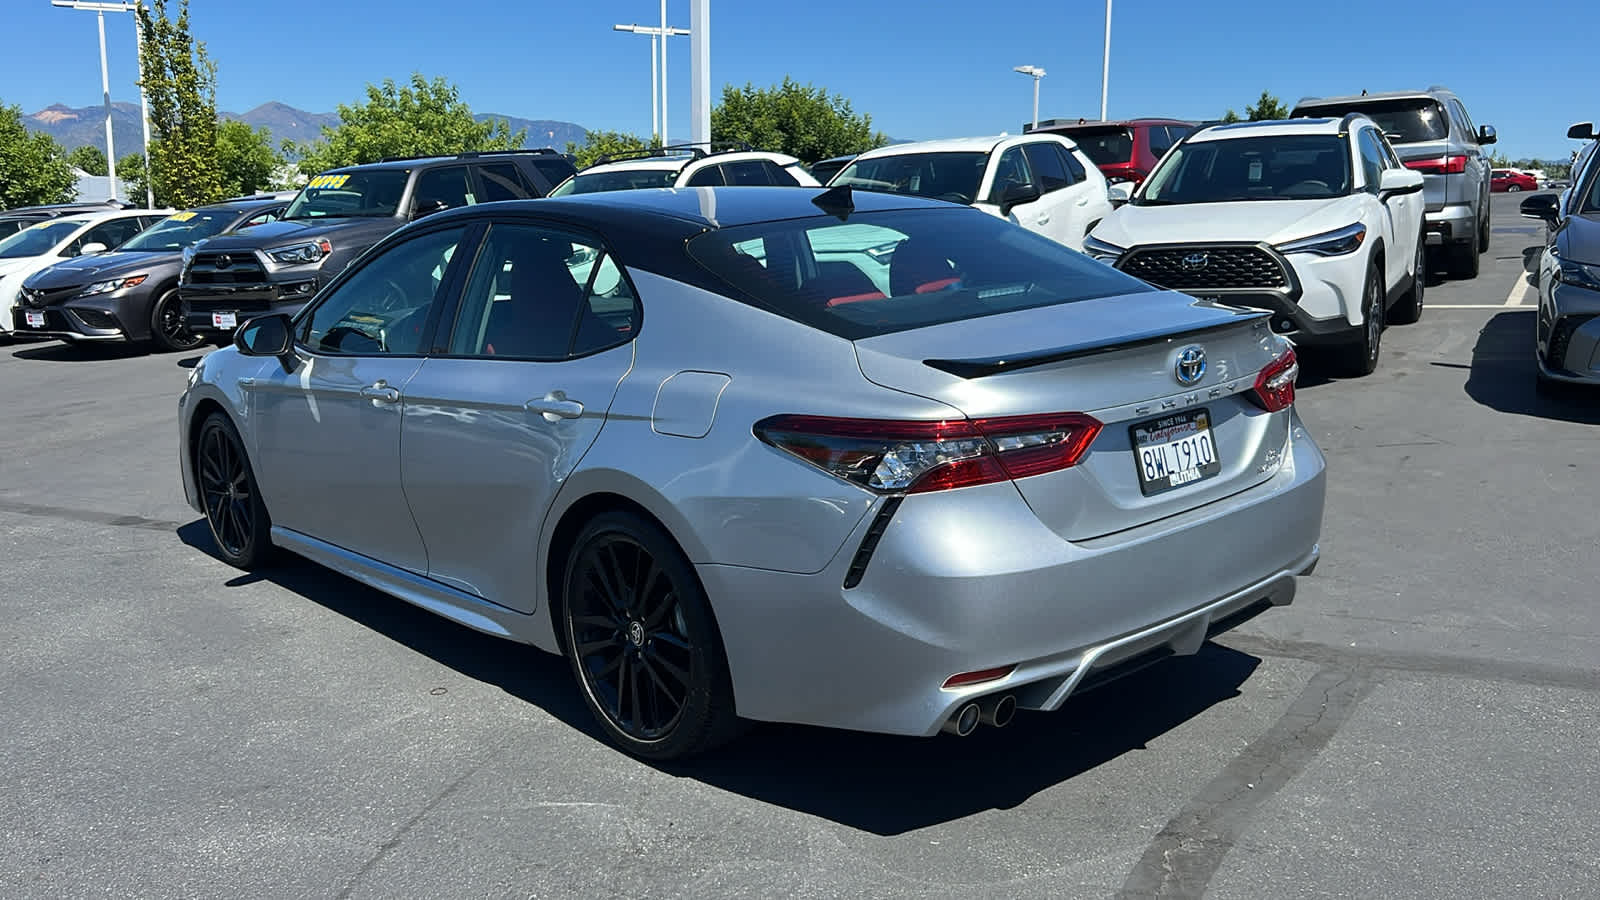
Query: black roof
x,y
244,204
411,162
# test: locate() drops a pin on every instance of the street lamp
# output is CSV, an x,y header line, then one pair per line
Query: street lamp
x,y
100,8
657,98
1037,73
1105,64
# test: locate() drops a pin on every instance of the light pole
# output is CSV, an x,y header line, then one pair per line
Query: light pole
x,y
1105,64
100,9
657,74
700,73
1036,73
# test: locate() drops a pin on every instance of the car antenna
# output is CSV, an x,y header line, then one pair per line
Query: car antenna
x,y
836,201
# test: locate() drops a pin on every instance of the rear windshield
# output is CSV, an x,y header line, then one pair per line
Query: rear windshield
x,y
180,230
374,193
941,176
1106,145
884,272
623,180
1404,121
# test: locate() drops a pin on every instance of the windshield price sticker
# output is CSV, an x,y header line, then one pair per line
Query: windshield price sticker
x,y
328,181
183,216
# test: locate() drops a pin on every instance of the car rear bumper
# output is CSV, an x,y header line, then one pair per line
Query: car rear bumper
x,y
1454,224
969,580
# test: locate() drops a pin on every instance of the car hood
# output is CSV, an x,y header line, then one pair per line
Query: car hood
x,y
1579,239
99,267
282,233
1269,221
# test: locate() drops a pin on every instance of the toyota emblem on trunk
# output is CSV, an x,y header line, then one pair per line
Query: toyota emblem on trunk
x,y
1194,262
1191,366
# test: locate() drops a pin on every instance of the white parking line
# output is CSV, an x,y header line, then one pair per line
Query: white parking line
x,y
1471,306
1519,291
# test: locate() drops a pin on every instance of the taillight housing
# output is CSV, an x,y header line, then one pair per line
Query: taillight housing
x,y
1439,165
916,456
1274,389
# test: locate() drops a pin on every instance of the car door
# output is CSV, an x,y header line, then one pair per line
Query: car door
x,y
1059,216
496,422
1370,155
1011,169
327,427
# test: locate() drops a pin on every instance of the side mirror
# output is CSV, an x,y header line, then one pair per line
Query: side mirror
x,y
1583,131
1395,182
1546,207
265,336
1119,193
1016,195
1486,135
91,248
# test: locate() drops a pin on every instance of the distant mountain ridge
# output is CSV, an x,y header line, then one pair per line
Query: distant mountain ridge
x,y
74,128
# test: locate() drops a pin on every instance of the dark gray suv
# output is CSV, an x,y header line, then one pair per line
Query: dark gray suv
x,y
336,217
1432,134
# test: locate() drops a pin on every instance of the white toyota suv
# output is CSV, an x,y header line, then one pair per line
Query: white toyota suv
x,y
686,166
1042,182
1314,219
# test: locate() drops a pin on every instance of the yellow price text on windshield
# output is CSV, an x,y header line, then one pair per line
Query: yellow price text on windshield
x,y
328,181
182,217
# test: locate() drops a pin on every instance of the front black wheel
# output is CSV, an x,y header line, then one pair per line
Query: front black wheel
x,y
1361,358
167,326
234,509
1409,309
642,642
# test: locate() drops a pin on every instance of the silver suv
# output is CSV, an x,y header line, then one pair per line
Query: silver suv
x,y
1432,133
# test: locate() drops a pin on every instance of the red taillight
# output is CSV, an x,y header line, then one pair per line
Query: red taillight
x,y
978,677
1274,388
1439,165
913,457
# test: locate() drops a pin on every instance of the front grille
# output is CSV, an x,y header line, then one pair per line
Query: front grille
x,y
232,267
229,303
37,298
1561,338
1206,268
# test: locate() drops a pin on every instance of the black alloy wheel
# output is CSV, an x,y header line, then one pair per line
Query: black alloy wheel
x,y
1409,309
234,509
1361,358
167,326
642,643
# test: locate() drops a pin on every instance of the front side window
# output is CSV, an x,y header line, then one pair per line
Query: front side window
x,y
37,240
542,294
1371,159
954,176
1012,171
891,271
374,193
383,306
112,234
1275,167
445,188
746,173
181,230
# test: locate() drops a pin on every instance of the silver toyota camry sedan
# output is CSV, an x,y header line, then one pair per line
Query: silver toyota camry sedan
x,y
856,460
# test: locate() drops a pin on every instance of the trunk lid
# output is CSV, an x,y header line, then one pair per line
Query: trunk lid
x,y
1115,358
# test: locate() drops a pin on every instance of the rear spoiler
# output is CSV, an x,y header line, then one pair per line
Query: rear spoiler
x,y
996,365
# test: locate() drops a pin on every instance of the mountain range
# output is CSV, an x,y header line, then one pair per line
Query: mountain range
x,y
87,125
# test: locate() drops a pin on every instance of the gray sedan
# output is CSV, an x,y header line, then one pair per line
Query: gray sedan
x,y
799,455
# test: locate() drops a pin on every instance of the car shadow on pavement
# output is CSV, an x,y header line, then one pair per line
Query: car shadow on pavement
x,y
1503,374
64,352
882,784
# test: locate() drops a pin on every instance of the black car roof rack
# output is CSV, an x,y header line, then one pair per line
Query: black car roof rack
x,y
691,151
471,154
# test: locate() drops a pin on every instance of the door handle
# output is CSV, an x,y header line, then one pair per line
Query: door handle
x,y
380,393
1043,220
555,406
1084,202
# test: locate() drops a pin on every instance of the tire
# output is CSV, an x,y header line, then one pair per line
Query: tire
x,y
1361,358
1464,261
642,642
1483,230
1513,189
167,328
1409,309
235,512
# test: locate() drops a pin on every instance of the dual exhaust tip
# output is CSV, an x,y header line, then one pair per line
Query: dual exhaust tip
x,y
993,711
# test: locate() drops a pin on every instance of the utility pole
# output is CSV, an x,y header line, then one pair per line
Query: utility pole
x,y
1105,65
100,8
700,73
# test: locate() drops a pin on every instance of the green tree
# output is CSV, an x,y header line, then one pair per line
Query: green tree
x,y
793,118
89,158
179,81
33,169
246,158
1230,116
423,118
1267,107
602,143
131,172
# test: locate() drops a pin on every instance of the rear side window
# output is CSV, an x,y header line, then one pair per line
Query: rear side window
x,y
504,181
1074,167
710,176
1405,121
891,271
555,169
777,175
746,173
1106,146
1047,166
444,188
1160,140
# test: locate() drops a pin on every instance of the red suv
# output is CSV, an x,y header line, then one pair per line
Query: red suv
x,y
1126,150
1511,180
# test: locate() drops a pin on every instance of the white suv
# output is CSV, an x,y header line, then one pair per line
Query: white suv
x,y
687,166
1314,219
1042,182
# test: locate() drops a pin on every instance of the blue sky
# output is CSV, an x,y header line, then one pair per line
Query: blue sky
x,y
921,68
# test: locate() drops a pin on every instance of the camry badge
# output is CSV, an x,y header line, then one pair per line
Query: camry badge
x,y
1191,366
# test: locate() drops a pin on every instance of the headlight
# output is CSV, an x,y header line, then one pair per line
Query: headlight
x,y
1329,243
302,253
1101,250
1580,274
115,284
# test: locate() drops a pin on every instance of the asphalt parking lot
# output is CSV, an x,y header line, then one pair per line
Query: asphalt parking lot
x,y
1422,722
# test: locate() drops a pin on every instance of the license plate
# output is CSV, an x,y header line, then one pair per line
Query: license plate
x,y
224,320
34,319
1174,450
